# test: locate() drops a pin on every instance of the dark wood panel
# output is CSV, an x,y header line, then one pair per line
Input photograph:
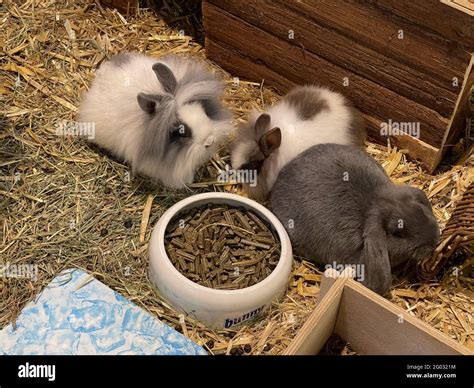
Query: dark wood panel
x,y
262,51
457,125
344,51
375,29
436,18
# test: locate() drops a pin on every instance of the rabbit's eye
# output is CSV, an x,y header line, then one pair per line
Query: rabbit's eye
x,y
180,130
398,232
397,226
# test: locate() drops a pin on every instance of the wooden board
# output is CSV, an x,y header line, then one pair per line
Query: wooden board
x,y
373,325
457,123
327,280
320,324
434,18
339,48
301,67
466,6
424,153
370,26
368,322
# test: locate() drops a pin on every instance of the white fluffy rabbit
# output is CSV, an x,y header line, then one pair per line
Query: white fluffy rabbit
x,y
163,116
307,116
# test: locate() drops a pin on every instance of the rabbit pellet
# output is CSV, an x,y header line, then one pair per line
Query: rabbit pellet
x,y
221,247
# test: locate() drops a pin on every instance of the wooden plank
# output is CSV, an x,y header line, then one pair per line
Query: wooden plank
x,y
343,50
466,6
457,124
238,64
370,26
373,325
320,324
327,280
301,67
434,17
425,154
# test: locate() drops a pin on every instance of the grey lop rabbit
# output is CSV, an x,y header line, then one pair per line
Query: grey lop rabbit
x,y
339,206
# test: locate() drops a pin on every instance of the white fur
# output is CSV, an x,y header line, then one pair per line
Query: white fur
x,y
111,104
328,126
206,132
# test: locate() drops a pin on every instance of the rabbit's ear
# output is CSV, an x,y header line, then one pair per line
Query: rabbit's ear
x,y
148,102
270,141
166,77
377,271
262,123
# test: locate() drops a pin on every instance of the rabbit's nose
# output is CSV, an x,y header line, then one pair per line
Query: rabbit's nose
x,y
209,141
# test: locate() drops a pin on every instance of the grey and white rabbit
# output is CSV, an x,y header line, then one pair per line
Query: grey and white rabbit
x,y
163,116
308,115
338,205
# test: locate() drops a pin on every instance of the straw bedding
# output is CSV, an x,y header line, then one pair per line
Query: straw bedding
x,y
67,204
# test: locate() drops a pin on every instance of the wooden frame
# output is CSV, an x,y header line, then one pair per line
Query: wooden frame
x,y
466,6
368,322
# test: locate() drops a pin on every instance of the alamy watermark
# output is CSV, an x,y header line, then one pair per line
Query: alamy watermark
x,y
393,128
30,371
75,128
359,269
239,176
25,271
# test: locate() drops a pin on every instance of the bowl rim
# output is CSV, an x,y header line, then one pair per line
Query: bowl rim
x,y
285,245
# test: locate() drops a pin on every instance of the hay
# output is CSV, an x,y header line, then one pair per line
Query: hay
x,y
66,204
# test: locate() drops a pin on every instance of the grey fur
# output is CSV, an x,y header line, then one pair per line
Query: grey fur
x,y
214,110
307,102
121,59
156,138
166,77
345,209
156,142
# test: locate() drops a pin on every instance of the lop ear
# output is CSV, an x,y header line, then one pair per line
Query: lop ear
x,y
166,77
270,141
377,271
148,102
